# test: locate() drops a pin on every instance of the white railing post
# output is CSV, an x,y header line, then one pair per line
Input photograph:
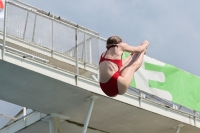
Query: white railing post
x,y
194,117
90,51
52,47
76,55
52,125
98,56
24,113
83,52
178,129
4,30
34,28
98,74
54,122
92,99
25,24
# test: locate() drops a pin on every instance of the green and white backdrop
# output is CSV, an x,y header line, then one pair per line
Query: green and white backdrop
x,y
168,82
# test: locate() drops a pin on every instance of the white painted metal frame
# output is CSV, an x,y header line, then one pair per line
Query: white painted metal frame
x,y
54,19
47,52
10,117
178,130
24,112
54,124
91,99
52,47
67,23
26,24
178,127
25,54
22,123
76,53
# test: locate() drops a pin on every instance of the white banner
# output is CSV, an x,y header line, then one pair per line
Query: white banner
x,y
142,77
2,6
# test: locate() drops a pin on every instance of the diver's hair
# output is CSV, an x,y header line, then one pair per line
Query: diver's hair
x,y
113,41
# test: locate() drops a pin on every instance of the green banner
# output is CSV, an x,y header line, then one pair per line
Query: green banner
x,y
168,82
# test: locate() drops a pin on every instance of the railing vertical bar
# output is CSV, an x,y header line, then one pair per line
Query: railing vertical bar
x,y
4,30
76,54
98,56
195,123
83,53
24,112
52,47
90,51
34,28
26,24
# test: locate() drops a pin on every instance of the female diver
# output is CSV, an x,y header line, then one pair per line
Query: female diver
x,y
116,74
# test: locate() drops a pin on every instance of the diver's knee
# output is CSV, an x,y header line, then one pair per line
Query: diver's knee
x,y
123,89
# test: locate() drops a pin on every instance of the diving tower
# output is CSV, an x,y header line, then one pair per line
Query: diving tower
x,y
49,65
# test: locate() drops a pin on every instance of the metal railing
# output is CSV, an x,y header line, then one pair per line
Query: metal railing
x,y
52,32
163,102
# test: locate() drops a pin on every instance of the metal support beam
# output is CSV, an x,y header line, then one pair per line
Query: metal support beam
x,y
54,124
178,130
92,99
10,117
21,123
59,126
24,112
95,78
178,127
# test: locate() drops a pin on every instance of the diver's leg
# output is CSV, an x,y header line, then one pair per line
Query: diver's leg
x,y
132,59
125,79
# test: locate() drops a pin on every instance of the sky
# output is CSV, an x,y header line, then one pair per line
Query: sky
x,y
171,26
8,109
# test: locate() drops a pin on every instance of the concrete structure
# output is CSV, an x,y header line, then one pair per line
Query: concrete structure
x,y
61,87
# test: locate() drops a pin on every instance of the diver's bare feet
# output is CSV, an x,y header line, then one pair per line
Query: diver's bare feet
x,y
145,43
145,51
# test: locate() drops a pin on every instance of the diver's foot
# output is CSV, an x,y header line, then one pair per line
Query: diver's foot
x,y
145,51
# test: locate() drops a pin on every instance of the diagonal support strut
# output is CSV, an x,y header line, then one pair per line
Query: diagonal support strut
x,y
92,99
178,127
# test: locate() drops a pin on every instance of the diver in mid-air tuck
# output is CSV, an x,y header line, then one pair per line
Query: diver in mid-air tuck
x,y
116,74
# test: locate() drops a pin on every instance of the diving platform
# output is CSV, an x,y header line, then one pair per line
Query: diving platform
x,y
47,89
58,84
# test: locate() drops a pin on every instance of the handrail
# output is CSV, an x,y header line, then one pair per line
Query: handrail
x,y
25,55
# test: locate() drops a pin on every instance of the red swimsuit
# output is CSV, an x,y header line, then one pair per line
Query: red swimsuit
x,y
110,88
